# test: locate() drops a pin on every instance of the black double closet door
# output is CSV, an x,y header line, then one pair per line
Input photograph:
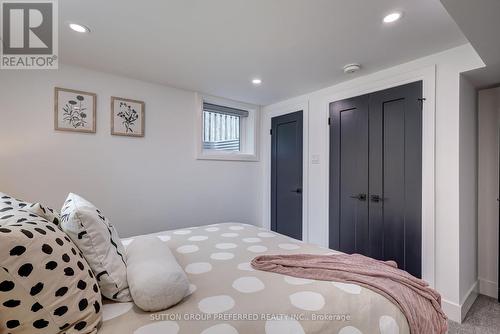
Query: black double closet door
x,y
376,176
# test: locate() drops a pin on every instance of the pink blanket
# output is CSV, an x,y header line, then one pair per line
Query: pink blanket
x,y
419,303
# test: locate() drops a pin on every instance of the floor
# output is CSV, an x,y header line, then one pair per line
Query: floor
x,y
483,318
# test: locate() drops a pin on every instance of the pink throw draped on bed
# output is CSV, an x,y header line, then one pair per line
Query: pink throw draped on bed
x,y
419,303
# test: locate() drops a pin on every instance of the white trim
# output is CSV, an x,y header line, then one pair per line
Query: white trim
x,y
469,299
488,288
458,312
229,156
452,310
250,141
266,159
428,77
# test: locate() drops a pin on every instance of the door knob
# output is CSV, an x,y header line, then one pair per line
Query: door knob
x,y
359,197
376,198
298,191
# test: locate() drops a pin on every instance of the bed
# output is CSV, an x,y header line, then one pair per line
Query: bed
x,y
228,296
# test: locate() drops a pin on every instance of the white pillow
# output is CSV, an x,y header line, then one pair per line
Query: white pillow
x,y
155,278
99,242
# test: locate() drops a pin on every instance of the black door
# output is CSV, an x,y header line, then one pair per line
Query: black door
x,y
349,175
286,174
396,176
390,175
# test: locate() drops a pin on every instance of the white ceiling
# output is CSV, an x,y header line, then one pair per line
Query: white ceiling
x,y
218,46
479,20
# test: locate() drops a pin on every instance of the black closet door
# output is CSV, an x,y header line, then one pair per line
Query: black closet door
x,y
376,176
349,175
395,184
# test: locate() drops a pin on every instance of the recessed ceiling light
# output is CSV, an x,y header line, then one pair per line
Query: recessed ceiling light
x,y
79,28
256,81
392,17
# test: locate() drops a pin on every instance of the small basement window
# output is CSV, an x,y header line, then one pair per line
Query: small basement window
x,y
221,127
228,130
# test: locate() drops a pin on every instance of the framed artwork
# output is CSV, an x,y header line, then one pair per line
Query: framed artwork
x,y
74,110
127,117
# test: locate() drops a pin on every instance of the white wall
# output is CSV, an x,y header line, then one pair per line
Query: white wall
x,y
488,149
468,194
446,68
142,184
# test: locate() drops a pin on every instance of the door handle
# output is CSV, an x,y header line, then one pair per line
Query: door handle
x,y
359,197
376,198
298,191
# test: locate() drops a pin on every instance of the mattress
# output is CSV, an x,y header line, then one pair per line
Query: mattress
x,y
228,296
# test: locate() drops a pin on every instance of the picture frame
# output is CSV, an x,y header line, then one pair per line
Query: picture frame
x,y
127,117
74,110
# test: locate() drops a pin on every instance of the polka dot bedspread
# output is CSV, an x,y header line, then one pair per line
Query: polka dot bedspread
x,y
227,296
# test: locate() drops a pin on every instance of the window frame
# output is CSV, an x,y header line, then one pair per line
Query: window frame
x,y
249,130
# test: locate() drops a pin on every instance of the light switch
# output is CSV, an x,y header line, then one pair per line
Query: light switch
x,y
315,159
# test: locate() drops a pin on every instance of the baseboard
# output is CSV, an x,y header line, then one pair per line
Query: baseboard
x,y
488,288
457,312
470,298
452,310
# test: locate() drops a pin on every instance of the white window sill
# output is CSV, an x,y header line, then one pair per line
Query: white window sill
x,y
227,156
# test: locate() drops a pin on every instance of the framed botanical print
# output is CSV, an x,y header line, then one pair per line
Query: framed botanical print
x,y
127,117
74,110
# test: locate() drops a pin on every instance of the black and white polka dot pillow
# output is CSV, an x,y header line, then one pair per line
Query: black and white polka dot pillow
x,y
46,286
8,203
45,212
